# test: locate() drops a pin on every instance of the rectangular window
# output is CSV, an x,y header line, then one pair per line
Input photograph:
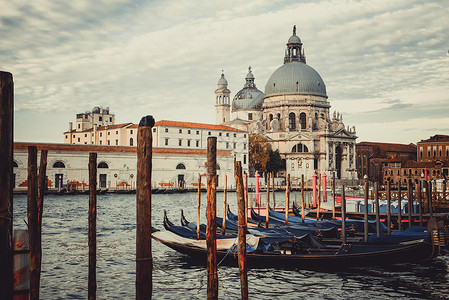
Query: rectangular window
x,y
209,133
85,135
110,119
154,130
100,142
250,116
73,136
79,126
116,142
188,131
244,146
197,132
227,145
197,143
180,130
131,131
166,142
180,142
109,133
244,135
66,136
109,142
227,134
219,134
101,134
235,135
79,140
116,132
100,118
244,160
166,129
235,145
188,143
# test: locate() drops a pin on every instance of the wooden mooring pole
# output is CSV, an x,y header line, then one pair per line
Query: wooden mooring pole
x,y
223,226
274,190
343,215
318,203
376,198
419,195
6,177
410,204
389,207
365,215
211,229
33,223
302,198
144,257
399,206
92,284
267,215
333,194
429,197
287,198
198,208
246,198
241,230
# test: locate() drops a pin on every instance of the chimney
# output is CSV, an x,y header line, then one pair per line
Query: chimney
x,y
70,132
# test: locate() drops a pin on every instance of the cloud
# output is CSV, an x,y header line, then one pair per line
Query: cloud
x,y
378,59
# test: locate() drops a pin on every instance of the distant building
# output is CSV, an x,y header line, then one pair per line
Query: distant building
x,y
294,115
435,148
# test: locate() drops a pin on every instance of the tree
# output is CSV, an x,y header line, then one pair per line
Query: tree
x,y
258,152
275,162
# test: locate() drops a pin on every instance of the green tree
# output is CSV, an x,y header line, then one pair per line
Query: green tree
x,y
258,152
275,162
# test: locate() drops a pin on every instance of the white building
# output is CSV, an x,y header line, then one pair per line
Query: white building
x,y
294,115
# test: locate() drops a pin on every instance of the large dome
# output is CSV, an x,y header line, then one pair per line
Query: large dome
x,y
295,78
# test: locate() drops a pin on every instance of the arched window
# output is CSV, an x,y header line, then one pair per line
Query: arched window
x,y
131,142
59,164
300,148
103,165
270,117
218,167
302,120
279,116
14,164
180,167
292,120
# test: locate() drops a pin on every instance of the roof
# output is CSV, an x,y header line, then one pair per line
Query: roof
x,y
113,149
195,125
107,127
390,146
436,138
418,164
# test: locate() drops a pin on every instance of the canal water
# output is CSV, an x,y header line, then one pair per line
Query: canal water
x,y
65,259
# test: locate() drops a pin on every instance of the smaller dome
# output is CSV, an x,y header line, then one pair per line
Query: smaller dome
x,y
96,110
248,98
222,80
294,39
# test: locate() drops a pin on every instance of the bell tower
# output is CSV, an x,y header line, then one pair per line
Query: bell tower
x,y
222,101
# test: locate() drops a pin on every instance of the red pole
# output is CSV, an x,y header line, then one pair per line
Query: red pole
x,y
257,188
314,189
324,188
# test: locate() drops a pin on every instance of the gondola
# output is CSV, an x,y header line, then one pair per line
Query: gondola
x,y
298,252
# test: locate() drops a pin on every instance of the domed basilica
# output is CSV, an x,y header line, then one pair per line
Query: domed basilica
x,y
294,116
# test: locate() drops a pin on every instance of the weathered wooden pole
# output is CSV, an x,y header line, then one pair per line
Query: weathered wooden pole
x,y
274,190
267,215
318,203
333,195
425,200
242,230
343,215
314,189
33,223
389,207
41,188
419,195
410,204
144,257
287,198
429,197
302,198
6,177
198,207
211,212
246,198
365,215
92,284
223,226
376,198
399,206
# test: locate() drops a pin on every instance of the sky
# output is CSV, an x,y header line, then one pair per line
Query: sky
x,y
385,63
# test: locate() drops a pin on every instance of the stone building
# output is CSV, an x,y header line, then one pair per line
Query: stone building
x,y
294,115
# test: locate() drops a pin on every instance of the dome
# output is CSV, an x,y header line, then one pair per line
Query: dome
x,y
96,110
294,39
222,80
295,78
248,98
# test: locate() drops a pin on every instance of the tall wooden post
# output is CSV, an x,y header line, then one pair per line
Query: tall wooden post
x,y
419,195
33,223
267,215
302,198
223,226
389,207
92,284
287,198
425,200
429,197
144,257
318,203
343,215
274,190
198,207
242,230
333,195
41,188
376,198
6,186
366,188
246,198
410,204
399,206
211,229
